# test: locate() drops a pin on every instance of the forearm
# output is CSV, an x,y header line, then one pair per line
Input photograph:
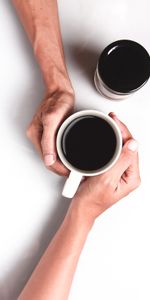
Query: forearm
x,y
41,22
53,276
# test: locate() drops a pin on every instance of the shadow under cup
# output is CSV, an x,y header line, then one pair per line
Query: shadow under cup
x,y
122,69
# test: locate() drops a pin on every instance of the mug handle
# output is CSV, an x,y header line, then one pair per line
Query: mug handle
x,y
71,184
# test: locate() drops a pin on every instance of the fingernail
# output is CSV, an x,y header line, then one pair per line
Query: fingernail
x,y
133,145
113,115
49,159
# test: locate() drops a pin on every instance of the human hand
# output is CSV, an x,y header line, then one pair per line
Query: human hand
x,y
43,128
98,193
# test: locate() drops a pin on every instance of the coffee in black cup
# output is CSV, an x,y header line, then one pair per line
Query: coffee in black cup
x,y
122,69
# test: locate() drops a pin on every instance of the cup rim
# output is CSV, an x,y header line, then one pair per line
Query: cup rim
x,y
111,123
121,43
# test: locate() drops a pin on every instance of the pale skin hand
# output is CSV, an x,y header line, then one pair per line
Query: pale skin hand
x,y
41,22
53,275
106,189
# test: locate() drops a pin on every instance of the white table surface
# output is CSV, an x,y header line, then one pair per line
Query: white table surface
x,y
115,263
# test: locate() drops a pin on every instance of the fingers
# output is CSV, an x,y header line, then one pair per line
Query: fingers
x,y
34,133
59,168
126,134
133,170
130,180
127,158
48,145
48,141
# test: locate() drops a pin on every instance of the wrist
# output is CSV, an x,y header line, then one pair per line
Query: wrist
x,y
85,207
57,79
53,67
78,213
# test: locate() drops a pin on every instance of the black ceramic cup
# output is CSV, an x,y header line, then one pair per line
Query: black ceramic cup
x,y
122,69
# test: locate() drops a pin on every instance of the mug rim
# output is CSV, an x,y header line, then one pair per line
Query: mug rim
x,y
111,123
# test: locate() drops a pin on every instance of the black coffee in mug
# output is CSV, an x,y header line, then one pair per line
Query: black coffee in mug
x,y
88,143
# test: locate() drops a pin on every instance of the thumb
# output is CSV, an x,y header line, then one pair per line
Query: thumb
x,y
125,160
48,142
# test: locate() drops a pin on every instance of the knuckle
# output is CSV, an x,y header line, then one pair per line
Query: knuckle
x,y
49,117
46,119
46,140
112,185
126,154
105,181
108,182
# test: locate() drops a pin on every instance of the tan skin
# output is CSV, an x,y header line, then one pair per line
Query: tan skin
x,y
57,266
41,22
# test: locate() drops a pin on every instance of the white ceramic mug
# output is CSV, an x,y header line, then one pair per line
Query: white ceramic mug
x,y
76,175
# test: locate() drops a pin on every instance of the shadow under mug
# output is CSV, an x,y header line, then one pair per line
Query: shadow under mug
x,y
76,175
122,69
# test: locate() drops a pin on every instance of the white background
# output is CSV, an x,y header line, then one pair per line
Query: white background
x,y
115,262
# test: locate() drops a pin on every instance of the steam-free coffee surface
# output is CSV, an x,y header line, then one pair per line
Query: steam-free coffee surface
x,y
88,143
124,66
